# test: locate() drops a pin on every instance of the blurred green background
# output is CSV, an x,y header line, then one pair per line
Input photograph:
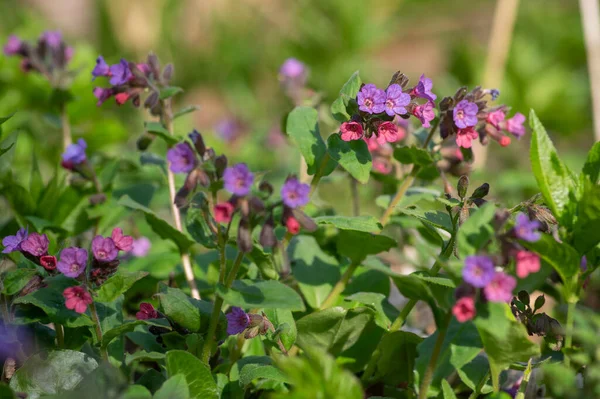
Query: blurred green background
x,y
227,54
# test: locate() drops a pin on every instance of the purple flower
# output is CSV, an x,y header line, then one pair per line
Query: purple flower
x,y
500,288
52,39
75,153
396,100
35,244
526,229
423,89
13,243
237,321
371,99
120,73
294,193
72,261
101,68
141,247
478,271
182,158
104,249
238,179
515,125
102,94
13,45
292,69
465,114
425,113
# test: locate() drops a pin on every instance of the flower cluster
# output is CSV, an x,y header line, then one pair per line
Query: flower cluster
x,y
72,261
49,56
128,80
251,324
480,272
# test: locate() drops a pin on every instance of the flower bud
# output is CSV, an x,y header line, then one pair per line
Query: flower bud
x,y
524,297
481,191
144,141
539,302
151,100
198,141
400,79
154,64
462,186
48,262
305,221
34,284
460,94
168,73
446,104
220,165
244,238
97,199
267,234
266,187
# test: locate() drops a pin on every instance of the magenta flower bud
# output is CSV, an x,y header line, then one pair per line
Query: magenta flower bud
x,y
146,312
465,114
237,321
371,99
13,46
465,137
35,244
104,249
13,243
48,262
425,113
464,309
223,212
102,94
396,100
500,288
494,118
478,270
182,158
238,179
72,261
423,89
295,194
351,131
293,69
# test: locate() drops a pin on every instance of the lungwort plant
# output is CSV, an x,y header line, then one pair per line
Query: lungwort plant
x,y
263,290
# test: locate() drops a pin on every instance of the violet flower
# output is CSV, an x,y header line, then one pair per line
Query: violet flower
x,y
371,99
13,46
423,89
72,261
294,193
396,100
182,158
425,113
140,247
104,249
52,39
13,243
526,229
238,179
515,126
35,244
465,114
237,321
478,271
101,68
120,73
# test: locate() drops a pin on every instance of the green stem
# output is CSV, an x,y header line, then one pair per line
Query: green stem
x,y
525,382
569,329
408,181
214,317
339,287
60,335
317,177
96,320
428,375
66,126
475,394
223,261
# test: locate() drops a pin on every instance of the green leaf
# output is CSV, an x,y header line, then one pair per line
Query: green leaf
x,y
186,110
199,379
143,356
157,129
15,280
315,271
52,302
398,353
437,219
385,311
447,390
284,316
414,286
504,339
124,328
357,245
61,371
136,392
5,391
159,226
476,231
349,333
169,91
118,284
553,178
339,108
303,129
4,150
591,168
353,156
175,387
189,313
5,118
198,228
253,371
413,155
261,294
586,234
315,374
561,256
367,224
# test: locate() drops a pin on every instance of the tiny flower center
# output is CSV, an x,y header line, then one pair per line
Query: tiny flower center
x,y
369,102
74,267
101,254
460,114
389,104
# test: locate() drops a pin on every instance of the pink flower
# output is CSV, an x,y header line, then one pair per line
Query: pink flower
x,y
464,137
77,298
141,247
223,212
382,165
500,288
123,243
372,144
424,113
146,312
48,262
464,309
515,125
122,98
504,141
351,131
495,117
527,262
292,225
387,132
36,244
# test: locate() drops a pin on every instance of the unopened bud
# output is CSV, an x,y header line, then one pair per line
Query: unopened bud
x,y
305,221
481,191
168,73
462,186
144,141
446,103
267,234
400,79
524,297
244,238
34,284
154,64
220,165
539,302
266,187
460,94
151,100
198,141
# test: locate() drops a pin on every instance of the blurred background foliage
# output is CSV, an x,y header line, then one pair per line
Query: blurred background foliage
x,y
227,54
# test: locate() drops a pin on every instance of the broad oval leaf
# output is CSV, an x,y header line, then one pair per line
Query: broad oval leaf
x,y
261,294
199,379
303,128
353,156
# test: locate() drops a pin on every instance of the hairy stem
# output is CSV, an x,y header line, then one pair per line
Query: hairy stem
x,y
524,382
66,126
167,119
428,375
339,287
569,329
214,317
60,335
408,181
96,321
319,174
